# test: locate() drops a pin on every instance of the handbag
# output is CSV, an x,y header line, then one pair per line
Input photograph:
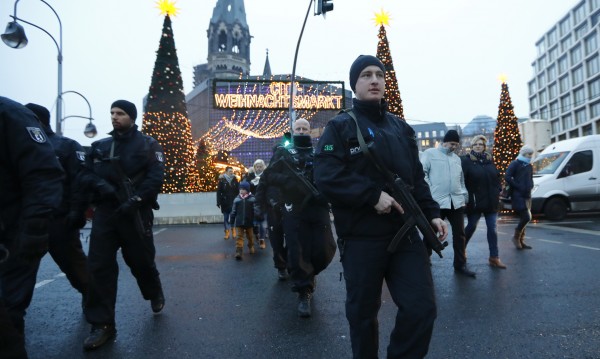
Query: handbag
x,y
506,192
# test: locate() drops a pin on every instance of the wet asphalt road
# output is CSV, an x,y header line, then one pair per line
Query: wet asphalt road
x,y
545,305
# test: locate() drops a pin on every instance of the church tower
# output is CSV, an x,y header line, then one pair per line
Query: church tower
x,y
228,43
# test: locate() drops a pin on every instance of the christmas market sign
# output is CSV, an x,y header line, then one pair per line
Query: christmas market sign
x,y
275,95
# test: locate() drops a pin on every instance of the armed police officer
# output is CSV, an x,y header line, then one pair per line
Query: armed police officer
x,y
30,191
64,244
306,223
125,171
367,217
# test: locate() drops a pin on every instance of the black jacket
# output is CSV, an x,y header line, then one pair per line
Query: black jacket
x,y
243,211
141,159
351,182
226,193
482,180
30,175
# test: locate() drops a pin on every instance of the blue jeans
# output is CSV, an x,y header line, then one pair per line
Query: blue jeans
x,y
226,224
490,222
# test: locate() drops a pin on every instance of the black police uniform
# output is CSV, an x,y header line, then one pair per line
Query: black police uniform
x,y
30,190
352,184
306,223
140,158
64,244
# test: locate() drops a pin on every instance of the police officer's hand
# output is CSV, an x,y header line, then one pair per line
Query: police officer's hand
x,y
75,219
440,227
386,203
130,206
33,240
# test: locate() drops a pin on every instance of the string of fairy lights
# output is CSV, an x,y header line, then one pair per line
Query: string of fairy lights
x,y
507,139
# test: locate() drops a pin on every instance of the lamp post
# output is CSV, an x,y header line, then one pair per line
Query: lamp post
x,y
90,129
14,36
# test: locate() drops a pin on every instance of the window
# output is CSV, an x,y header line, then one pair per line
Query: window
x,y
594,4
544,113
553,54
580,116
565,44
593,66
434,133
574,133
580,162
565,103
563,26
579,97
442,133
541,47
581,31
554,109
555,126
576,55
419,134
591,44
594,88
596,18
567,122
562,137
552,91
542,62
552,37
563,84
426,134
586,130
543,98
532,87
542,80
551,73
595,110
578,76
563,64
533,103
578,14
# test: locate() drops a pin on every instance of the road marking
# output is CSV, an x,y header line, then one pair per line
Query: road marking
x,y
566,229
561,223
549,241
43,283
586,247
160,230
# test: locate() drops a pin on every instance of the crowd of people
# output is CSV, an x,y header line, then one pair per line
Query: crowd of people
x,y
49,181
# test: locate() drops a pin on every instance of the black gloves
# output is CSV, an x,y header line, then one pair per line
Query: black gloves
x,y
130,206
33,240
75,219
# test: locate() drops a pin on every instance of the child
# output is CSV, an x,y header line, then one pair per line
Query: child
x,y
242,218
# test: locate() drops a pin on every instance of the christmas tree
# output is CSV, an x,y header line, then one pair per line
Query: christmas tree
x,y
507,139
166,118
206,167
392,94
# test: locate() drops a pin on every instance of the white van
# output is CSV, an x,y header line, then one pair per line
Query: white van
x,y
566,177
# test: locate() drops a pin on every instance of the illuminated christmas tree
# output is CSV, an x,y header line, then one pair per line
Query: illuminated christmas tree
x,y
166,117
209,174
507,139
392,93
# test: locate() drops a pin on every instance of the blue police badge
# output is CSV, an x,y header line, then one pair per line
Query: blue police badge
x,y
159,156
37,134
80,155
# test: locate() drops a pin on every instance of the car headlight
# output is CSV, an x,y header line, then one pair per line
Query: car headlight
x,y
534,189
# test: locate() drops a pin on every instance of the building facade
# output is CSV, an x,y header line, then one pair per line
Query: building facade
x,y
565,89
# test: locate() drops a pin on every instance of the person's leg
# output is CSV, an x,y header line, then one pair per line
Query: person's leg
x,y
227,225
472,221
492,234
457,222
65,248
276,238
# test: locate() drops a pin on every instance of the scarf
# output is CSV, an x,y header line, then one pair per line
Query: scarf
x,y
228,177
479,156
244,196
524,159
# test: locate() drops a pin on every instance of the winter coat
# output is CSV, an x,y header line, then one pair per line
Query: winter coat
x,y
519,175
482,180
243,211
443,174
226,193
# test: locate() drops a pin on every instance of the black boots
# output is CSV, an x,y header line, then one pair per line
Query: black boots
x,y
158,303
304,310
99,335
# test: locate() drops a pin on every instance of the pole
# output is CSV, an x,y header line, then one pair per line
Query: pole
x,y
292,113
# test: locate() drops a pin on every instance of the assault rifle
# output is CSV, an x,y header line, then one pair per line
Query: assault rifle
x,y
303,185
127,192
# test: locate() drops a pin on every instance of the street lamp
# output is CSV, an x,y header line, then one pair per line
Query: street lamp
x,y
90,129
14,36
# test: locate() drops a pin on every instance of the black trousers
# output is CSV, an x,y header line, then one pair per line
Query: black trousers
x,y
456,217
12,342
111,231
276,236
310,244
407,273
64,245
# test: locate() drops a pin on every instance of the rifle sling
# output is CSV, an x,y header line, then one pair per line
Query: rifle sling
x,y
117,165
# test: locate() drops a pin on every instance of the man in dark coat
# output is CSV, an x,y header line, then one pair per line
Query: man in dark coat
x,y
227,190
64,243
367,218
30,191
122,218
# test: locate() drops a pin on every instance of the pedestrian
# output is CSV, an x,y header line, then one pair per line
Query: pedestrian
x,y
64,244
306,222
482,180
242,218
125,172
227,190
444,175
31,190
519,176
367,218
260,223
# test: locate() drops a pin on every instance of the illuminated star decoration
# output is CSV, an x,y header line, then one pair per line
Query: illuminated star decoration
x,y
167,7
381,18
502,78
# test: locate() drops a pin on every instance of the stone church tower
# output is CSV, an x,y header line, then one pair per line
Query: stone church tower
x,y
228,43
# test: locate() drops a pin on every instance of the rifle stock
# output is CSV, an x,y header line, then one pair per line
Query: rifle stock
x,y
127,191
413,216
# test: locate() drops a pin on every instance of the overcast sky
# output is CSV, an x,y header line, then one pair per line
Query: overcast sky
x,y
447,54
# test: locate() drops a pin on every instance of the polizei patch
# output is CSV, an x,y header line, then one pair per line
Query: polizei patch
x,y
36,134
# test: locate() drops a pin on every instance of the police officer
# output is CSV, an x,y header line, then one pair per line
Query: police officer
x,y
122,219
306,223
64,244
367,218
30,190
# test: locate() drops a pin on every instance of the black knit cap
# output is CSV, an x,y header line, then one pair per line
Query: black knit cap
x,y
359,64
41,112
126,106
451,136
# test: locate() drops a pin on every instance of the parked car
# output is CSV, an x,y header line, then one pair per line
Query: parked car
x,y
566,178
